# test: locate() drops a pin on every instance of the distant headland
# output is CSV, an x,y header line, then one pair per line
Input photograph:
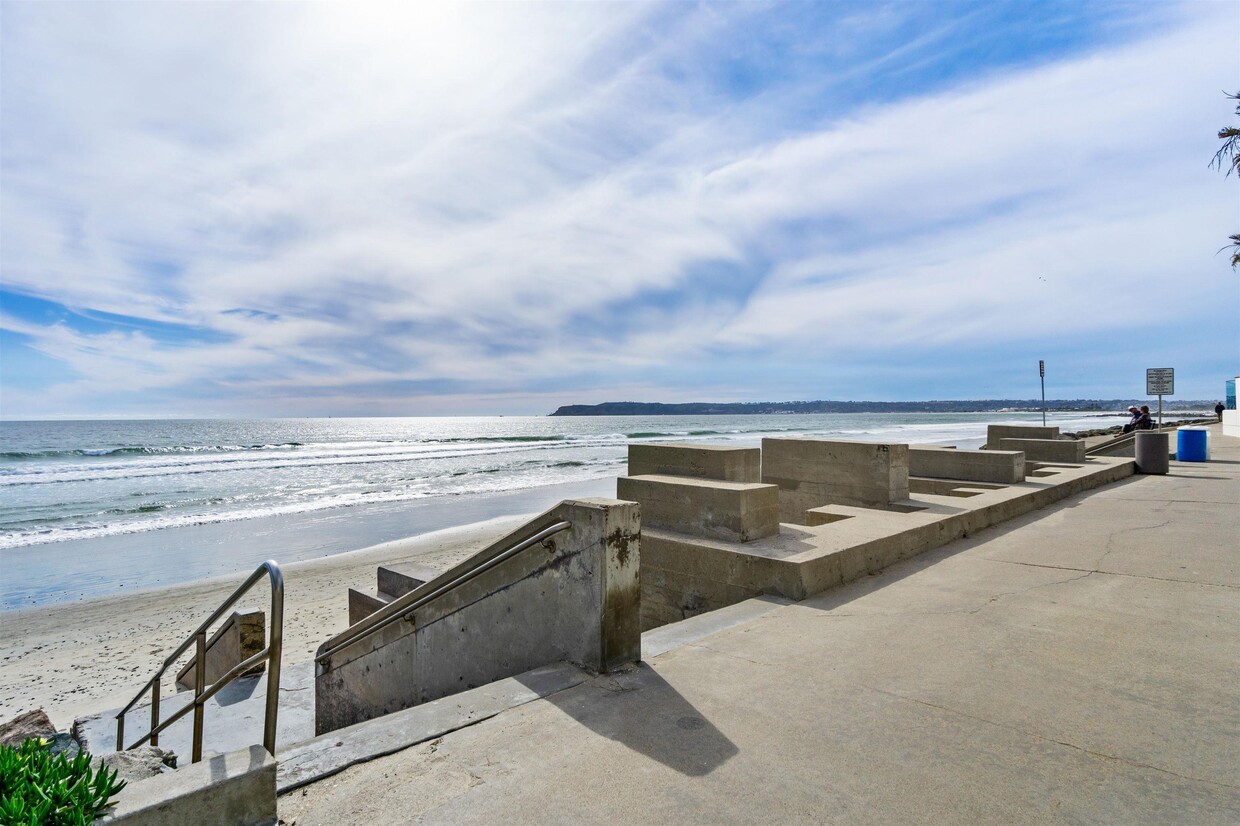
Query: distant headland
x,y
937,406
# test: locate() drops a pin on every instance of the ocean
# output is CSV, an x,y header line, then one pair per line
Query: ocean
x,y
93,507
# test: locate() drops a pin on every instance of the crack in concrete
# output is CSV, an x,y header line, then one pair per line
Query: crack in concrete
x,y
1027,733
1112,536
1119,573
732,656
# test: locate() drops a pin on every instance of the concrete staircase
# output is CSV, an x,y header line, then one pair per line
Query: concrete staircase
x,y
562,588
390,583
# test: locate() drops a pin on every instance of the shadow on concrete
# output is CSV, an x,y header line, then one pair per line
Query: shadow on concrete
x,y
640,710
238,691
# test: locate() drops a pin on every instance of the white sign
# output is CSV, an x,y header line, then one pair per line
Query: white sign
x,y
1160,381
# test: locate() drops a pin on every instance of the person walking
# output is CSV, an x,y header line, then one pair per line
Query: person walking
x,y
1218,410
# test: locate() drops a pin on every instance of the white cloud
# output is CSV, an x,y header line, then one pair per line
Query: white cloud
x,y
452,194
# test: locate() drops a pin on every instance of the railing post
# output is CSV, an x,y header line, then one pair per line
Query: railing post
x,y
200,684
275,644
154,714
120,732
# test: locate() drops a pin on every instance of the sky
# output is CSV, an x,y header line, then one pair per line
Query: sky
x,y
350,209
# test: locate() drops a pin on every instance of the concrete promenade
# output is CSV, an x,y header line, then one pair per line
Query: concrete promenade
x,y
1080,664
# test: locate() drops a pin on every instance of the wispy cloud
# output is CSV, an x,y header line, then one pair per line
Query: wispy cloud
x,y
400,208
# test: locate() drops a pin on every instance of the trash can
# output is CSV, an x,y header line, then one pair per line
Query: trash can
x,y
1193,444
1153,450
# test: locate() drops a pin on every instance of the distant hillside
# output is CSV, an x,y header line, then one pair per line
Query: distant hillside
x,y
958,406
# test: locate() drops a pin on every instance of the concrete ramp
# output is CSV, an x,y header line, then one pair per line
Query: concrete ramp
x,y
514,606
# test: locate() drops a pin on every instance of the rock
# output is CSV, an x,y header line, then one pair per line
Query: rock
x,y
26,725
139,763
63,743
81,730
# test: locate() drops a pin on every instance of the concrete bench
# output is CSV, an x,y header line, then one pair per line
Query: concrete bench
x,y
1005,467
996,432
811,473
728,464
733,511
1047,450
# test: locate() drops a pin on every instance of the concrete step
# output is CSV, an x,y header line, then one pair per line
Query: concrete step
x,y
362,604
398,581
391,582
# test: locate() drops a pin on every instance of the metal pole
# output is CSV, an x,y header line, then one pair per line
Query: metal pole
x,y
1160,411
1042,378
200,684
154,713
275,644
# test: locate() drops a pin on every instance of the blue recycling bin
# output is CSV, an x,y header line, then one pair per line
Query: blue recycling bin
x,y
1193,444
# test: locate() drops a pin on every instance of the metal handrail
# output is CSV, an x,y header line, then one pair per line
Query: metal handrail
x,y
275,643
404,606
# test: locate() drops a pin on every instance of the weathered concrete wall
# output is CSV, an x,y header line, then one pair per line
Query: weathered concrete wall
x,y
995,432
734,511
576,601
234,789
1005,467
241,636
727,464
815,472
396,582
1047,450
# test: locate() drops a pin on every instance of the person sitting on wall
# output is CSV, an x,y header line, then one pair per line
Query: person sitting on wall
x,y
1135,412
1144,422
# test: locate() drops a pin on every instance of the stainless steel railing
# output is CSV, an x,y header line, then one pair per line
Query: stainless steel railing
x,y
271,653
404,606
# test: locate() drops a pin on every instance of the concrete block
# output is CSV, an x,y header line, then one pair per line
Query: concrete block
x,y
396,582
362,605
726,464
575,598
996,432
1047,450
811,473
234,789
241,636
735,511
1006,467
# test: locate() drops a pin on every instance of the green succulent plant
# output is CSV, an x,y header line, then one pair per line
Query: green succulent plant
x,y
38,788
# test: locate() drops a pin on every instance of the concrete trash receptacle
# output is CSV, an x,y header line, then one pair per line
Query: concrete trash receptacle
x,y
1152,451
1192,444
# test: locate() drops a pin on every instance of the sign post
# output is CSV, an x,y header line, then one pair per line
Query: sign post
x,y
1042,376
1160,381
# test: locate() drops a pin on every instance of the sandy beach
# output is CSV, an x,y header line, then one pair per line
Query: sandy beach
x,y
78,658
